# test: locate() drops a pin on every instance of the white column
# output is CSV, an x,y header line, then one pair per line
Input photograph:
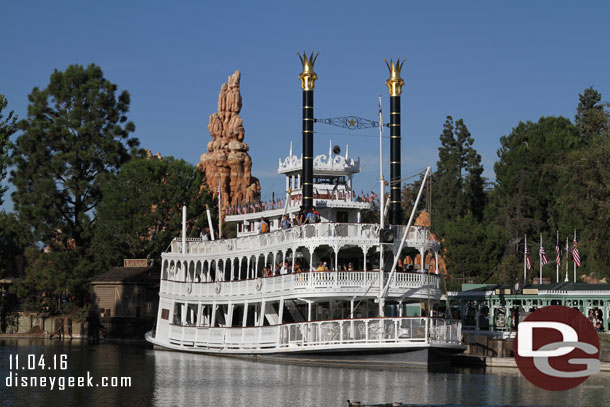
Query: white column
x,y
213,314
436,261
364,250
245,318
336,249
421,254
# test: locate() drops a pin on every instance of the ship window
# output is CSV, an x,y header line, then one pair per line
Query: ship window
x,y
164,313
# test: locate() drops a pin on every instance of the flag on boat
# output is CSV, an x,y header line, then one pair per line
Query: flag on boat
x,y
543,259
575,254
557,252
528,261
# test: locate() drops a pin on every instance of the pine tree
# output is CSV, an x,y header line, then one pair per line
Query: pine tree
x,y
76,130
589,113
7,128
458,185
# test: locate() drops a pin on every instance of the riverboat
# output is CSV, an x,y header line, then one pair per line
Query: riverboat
x,y
324,292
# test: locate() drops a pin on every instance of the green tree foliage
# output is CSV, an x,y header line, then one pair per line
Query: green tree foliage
x,y
14,238
458,185
75,131
141,209
590,116
529,175
585,197
7,128
473,248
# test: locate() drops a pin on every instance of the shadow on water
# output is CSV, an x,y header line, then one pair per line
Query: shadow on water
x,y
162,378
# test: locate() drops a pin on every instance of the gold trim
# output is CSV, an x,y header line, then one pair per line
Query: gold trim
x,y
394,136
395,202
394,162
307,107
307,118
308,77
394,125
394,112
395,82
307,158
307,183
307,131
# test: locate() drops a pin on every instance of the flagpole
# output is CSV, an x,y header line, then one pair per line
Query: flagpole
x,y
556,257
381,211
540,256
525,262
573,257
567,259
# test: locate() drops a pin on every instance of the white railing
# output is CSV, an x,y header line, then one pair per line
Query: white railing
x,y
417,237
307,282
286,237
371,332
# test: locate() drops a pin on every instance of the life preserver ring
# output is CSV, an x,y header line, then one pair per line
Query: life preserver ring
x,y
218,287
259,284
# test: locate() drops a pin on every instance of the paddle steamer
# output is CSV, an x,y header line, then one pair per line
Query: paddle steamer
x,y
326,292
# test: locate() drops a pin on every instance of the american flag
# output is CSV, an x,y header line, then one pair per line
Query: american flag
x,y
557,253
528,261
543,259
575,254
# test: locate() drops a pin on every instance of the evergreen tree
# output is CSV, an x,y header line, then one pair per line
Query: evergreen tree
x,y
76,130
141,209
589,114
458,185
530,175
7,128
585,197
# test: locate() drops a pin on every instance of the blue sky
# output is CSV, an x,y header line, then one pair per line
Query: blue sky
x,y
491,63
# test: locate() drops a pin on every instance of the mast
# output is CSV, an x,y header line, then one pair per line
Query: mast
x,y
308,81
395,84
381,211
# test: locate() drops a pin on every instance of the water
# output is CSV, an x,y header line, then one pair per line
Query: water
x,y
161,378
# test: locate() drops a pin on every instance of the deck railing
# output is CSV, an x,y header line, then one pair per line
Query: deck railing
x,y
310,282
367,332
417,237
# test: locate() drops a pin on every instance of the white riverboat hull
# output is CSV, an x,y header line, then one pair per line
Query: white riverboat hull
x,y
388,343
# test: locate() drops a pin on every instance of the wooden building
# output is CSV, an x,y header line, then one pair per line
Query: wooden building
x,y
126,297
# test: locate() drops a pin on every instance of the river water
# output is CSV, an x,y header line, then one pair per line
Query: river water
x,y
160,378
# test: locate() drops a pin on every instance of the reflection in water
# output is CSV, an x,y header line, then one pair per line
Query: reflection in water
x,y
161,378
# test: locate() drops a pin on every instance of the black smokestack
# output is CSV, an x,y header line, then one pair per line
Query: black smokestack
x,y
308,78
395,84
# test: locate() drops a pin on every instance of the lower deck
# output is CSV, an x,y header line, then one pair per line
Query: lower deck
x,y
355,335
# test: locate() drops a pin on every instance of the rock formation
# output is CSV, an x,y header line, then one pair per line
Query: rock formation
x,y
423,220
227,158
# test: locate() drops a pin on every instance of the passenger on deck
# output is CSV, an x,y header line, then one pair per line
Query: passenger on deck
x,y
283,269
264,225
285,222
350,267
276,271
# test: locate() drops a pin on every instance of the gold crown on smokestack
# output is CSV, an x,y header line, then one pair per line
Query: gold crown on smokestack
x,y
308,76
395,82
